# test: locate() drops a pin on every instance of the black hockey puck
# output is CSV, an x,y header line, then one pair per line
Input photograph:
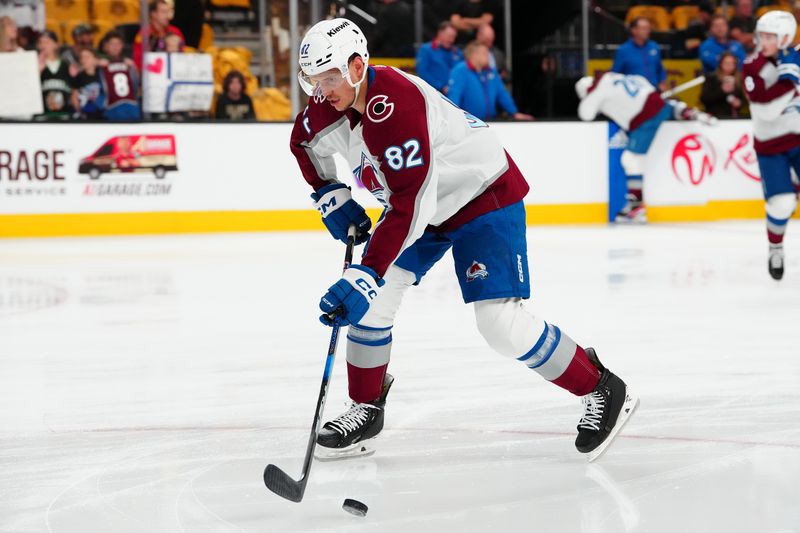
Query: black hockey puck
x,y
355,507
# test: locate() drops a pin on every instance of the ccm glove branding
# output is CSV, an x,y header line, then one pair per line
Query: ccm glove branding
x,y
339,210
352,295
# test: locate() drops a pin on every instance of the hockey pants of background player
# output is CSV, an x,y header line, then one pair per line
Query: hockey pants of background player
x,y
490,255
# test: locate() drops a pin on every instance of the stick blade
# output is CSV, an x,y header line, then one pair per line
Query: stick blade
x,y
281,484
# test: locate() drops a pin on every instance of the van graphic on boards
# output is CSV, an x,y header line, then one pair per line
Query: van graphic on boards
x,y
132,153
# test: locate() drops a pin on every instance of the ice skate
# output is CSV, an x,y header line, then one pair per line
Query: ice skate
x,y
606,409
352,433
634,212
775,262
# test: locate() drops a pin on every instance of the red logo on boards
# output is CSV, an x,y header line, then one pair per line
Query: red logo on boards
x,y
744,158
693,159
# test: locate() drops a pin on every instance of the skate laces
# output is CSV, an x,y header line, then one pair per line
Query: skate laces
x,y
353,418
593,405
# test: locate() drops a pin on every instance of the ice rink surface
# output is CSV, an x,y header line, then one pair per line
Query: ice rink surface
x,y
145,382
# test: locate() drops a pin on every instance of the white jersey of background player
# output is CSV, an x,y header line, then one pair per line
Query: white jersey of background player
x,y
638,108
445,182
772,83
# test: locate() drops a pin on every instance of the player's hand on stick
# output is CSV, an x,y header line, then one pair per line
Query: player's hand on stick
x,y
348,300
339,210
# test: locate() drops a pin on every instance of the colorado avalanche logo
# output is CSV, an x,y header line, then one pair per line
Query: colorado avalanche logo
x,y
693,158
379,108
477,271
318,96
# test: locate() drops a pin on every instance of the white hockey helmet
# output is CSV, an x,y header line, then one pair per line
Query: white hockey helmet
x,y
583,85
781,23
330,44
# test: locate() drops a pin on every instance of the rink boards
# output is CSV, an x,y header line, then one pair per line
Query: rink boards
x,y
79,179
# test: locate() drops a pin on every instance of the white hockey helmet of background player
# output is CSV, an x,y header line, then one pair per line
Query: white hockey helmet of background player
x,y
583,85
330,44
781,23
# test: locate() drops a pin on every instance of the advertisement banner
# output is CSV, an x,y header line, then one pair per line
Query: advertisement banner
x,y
177,82
692,164
127,168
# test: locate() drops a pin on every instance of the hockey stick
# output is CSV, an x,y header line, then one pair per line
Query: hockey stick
x,y
276,479
684,87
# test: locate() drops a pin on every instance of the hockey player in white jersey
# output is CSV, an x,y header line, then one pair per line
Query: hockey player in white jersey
x,y
637,107
772,83
445,182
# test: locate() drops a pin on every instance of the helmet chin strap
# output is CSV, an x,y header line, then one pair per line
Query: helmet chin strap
x,y
356,86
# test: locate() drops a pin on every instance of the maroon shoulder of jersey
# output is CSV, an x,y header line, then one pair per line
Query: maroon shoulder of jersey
x,y
310,126
756,86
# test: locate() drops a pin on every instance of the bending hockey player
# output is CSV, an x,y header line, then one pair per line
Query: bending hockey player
x,y
772,83
445,182
638,108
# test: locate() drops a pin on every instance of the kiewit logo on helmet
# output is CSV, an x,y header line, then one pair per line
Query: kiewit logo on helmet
x,y
477,271
338,28
304,50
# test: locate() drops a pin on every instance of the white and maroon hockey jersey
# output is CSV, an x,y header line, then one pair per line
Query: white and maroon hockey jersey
x,y
627,100
429,163
774,106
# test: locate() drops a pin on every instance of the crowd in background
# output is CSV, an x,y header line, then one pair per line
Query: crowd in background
x,y
97,77
720,42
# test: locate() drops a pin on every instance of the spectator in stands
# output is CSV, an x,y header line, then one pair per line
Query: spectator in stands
x,y
89,87
234,103
478,89
437,58
173,43
120,80
8,35
639,55
159,27
497,58
469,15
722,93
743,24
394,32
83,37
29,16
686,42
189,17
717,43
58,93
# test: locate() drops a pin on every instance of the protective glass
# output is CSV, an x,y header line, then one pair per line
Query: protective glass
x,y
327,82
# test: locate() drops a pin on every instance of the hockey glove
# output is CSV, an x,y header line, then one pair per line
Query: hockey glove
x,y
789,71
681,111
339,210
351,296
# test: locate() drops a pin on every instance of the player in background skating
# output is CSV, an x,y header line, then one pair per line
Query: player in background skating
x,y
445,182
772,83
638,108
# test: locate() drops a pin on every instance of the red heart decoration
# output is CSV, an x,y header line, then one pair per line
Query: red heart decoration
x,y
156,67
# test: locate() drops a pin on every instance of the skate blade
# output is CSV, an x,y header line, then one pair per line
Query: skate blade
x,y
351,452
630,405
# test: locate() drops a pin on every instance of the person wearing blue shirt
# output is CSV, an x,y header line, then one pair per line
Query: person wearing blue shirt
x,y
639,55
437,58
477,88
717,43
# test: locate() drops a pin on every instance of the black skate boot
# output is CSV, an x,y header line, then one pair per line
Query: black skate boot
x,y
775,262
605,411
345,435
